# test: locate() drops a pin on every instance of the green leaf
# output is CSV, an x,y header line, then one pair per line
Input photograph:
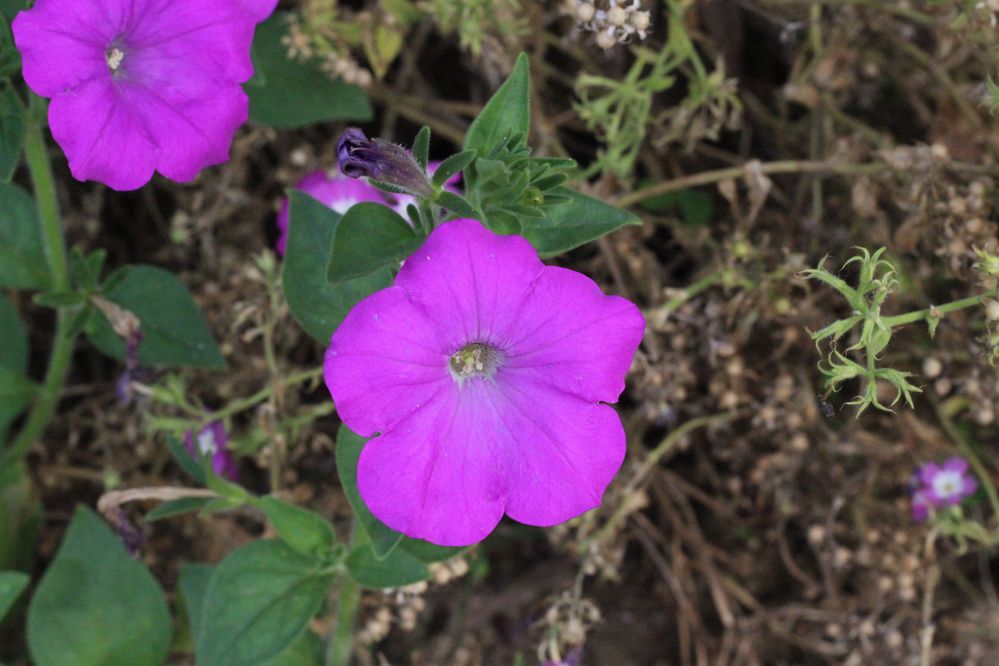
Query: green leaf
x,y
12,130
22,254
421,147
12,583
193,586
16,392
571,224
20,516
177,507
316,304
174,332
430,552
286,93
10,57
451,166
348,451
307,650
396,569
457,204
260,599
304,531
508,112
369,236
10,8
96,606
58,299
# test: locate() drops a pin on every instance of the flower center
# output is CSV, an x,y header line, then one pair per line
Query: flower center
x,y
475,360
114,56
947,484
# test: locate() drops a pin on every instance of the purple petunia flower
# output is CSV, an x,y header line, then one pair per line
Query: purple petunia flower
x,y
484,372
139,86
333,190
947,484
212,443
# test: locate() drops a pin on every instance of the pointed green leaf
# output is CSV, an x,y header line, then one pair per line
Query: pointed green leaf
x,y
96,606
348,451
451,166
316,304
12,583
259,600
396,569
508,112
368,237
304,531
421,147
569,225
174,332
22,254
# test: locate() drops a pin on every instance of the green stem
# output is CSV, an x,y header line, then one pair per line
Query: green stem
x,y
37,157
263,394
934,311
340,644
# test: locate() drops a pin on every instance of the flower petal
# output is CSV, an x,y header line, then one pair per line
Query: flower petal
x,y
560,452
192,125
384,361
62,44
102,136
208,40
435,476
574,337
471,281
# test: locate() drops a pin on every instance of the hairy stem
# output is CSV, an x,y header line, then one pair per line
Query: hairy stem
x,y
44,406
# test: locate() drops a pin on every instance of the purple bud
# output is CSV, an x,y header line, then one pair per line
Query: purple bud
x,y
360,156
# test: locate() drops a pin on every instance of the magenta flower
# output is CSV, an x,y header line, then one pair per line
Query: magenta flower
x,y
139,86
947,484
484,372
333,190
212,444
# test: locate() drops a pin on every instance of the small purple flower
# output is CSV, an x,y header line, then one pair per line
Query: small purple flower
x,y
140,86
947,484
485,376
360,156
212,443
333,190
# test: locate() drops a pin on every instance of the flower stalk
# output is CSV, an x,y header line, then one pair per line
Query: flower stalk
x,y
36,154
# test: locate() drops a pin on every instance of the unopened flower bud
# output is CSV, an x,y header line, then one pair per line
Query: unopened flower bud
x,y
360,156
585,12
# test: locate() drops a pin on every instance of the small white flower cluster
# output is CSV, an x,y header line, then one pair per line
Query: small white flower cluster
x,y
618,23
